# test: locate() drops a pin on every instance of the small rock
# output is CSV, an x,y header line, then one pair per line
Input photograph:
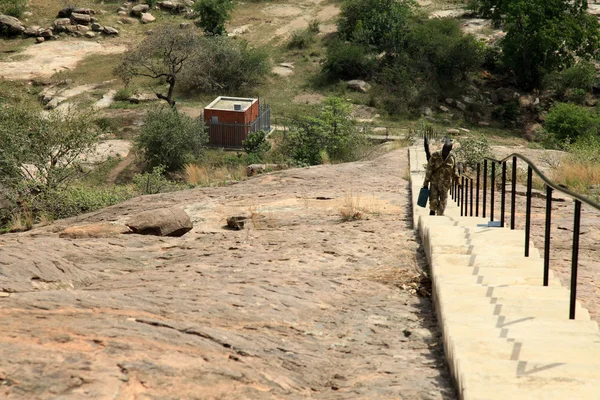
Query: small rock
x,y
139,9
4,294
444,109
236,223
358,85
461,106
450,102
109,30
483,123
65,12
452,131
427,111
122,13
127,20
90,35
184,25
147,18
161,222
465,130
32,30
81,10
96,27
84,19
46,33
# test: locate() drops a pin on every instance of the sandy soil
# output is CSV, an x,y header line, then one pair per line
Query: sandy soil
x,y
45,59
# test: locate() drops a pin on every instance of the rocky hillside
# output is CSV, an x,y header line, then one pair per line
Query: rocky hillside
x,y
320,295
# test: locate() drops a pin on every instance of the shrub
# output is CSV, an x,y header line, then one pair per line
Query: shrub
x,y
155,181
349,61
301,39
568,121
314,26
257,143
171,139
472,151
14,8
507,113
213,15
123,94
580,77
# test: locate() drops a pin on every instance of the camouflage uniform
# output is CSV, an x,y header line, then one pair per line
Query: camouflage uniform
x,y
440,173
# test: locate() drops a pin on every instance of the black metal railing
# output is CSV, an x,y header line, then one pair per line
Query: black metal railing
x,y
464,196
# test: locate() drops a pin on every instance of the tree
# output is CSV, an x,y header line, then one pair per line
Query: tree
x,y
213,15
162,55
46,150
382,24
171,138
544,35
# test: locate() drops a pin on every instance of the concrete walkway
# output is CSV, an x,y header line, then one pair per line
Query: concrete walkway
x,y
505,335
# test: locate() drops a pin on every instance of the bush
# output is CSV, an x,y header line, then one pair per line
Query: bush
x,y
507,113
328,136
155,181
257,143
472,151
213,15
14,8
314,26
568,121
578,78
123,94
349,61
225,65
76,200
171,139
301,39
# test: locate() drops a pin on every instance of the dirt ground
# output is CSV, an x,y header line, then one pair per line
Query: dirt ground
x,y
298,304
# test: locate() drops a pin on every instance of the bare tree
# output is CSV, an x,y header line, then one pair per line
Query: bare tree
x,y
162,55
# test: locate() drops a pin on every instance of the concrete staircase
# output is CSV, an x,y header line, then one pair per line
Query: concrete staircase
x,y
505,335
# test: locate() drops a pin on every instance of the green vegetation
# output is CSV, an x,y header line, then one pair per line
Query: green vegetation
x,y
171,139
543,36
257,143
14,8
566,122
213,15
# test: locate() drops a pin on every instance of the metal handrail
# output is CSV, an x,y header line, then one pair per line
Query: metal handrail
x,y
466,182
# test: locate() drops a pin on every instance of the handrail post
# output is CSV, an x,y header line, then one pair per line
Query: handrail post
x,y
514,193
462,190
471,196
484,186
503,200
547,234
493,184
528,211
477,190
575,258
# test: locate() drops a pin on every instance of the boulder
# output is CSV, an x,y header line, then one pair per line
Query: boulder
x,y
65,12
506,95
142,98
32,30
82,10
90,35
452,131
11,25
173,6
127,20
461,106
96,27
139,9
358,85
427,111
147,18
98,230
444,109
61,23
161,222
84,19
483,123
109,30
45,33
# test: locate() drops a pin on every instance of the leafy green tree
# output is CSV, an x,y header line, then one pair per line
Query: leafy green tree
x,y
47,150
213,15
382,24
331,130
347,60
543,35
171,138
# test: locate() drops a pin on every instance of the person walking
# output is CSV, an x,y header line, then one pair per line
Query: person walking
x,y
441,173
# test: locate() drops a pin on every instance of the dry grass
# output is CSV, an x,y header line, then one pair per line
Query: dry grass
x,y
411,280
199,175
578,177
20,222
351,210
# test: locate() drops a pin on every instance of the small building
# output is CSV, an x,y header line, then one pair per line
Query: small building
x,y
230,119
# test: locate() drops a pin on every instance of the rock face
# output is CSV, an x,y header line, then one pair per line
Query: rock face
x,y
359,86
99,230
162,222
11,25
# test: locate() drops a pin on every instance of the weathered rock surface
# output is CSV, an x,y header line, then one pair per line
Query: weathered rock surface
x,y
161,222
146,18
298,305
98,230
139,9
